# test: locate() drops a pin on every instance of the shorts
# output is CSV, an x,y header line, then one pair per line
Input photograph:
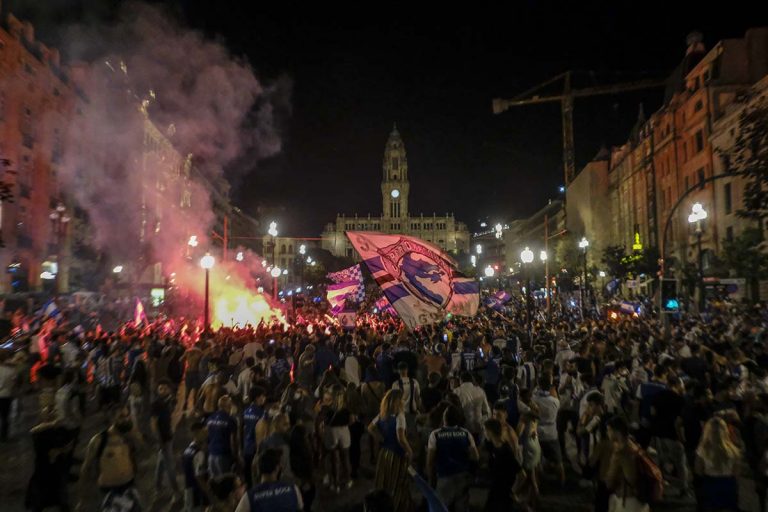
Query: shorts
x,y
337,437
550,450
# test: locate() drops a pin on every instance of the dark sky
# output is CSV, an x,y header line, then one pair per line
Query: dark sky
x,y
435,71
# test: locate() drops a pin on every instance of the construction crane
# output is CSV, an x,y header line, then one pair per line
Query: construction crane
x,y
530,97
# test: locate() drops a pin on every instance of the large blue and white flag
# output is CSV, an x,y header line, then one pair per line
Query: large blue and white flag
x,y
352,273
420,280
497,300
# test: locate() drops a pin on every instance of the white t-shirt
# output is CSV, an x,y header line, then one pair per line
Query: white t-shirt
x,y
405,385
548,406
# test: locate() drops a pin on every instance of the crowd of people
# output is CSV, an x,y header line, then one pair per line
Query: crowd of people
x,y
478,412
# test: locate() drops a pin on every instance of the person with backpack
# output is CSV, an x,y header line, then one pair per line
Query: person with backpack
x,y
110,461
411,395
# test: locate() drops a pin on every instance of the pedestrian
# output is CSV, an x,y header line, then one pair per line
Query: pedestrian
x,y
8,381
195,465
503,467
717,468
252,414
451,452
222,433
271,493
162,426
395,453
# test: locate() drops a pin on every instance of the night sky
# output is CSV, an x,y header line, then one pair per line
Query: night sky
x,y
355,71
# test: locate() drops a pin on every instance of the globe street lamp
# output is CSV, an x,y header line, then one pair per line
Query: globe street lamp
x,y
488,271
583,245
275,273
240,256
207,263
526,257
698,214
272,231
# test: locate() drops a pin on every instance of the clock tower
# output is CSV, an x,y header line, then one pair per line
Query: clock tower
x,y
394,185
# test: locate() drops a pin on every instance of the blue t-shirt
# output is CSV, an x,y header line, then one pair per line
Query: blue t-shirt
x,y
388,429
221,428
468,360
647,391
273,497
251,416
451,445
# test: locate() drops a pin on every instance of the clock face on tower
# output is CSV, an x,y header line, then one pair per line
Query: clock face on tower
x,y
395,193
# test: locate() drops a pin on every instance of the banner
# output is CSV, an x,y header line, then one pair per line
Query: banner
x,y
384,306
497,300
420,280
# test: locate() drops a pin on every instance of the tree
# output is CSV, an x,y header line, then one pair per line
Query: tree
x,y
6,189
613,259
567,253
744,257
749,155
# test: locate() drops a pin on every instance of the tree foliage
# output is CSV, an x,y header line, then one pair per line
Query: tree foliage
x,y
567,253
743,255
749,155
613,260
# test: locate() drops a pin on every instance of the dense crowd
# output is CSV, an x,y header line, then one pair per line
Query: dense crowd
x,y
279,417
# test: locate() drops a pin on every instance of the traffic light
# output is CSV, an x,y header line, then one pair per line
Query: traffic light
x,y
669,299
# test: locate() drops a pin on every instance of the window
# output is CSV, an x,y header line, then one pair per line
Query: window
x,y
685,152
26,127
698,106
395,226
728,200
395,164
349,252
699,137
282,249
394,209
700,176
729,233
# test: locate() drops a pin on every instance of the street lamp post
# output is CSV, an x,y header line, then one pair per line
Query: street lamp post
x,y
545,259
275,273
207,262
272,231
583,245
698,214
526,256
302,252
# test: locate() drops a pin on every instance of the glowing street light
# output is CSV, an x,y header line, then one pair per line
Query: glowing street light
x,y
601,273
543,256
239,256
275,273
302,249
207,263
698,214
489,271
285,272
192,242
479,249
117,269
473,259
583,243
526,255
272,231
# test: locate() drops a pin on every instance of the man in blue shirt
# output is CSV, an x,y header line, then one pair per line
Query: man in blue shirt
x,y
195,470
451,451
252,415
270,494
222,430
645,395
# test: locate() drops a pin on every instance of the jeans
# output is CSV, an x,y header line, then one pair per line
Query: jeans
x,y
672,453
453,491
166,464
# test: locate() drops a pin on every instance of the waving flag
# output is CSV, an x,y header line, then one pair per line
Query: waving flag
x,y
497,300
417,278
337,295
352,273
139,315
384,306
51,310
